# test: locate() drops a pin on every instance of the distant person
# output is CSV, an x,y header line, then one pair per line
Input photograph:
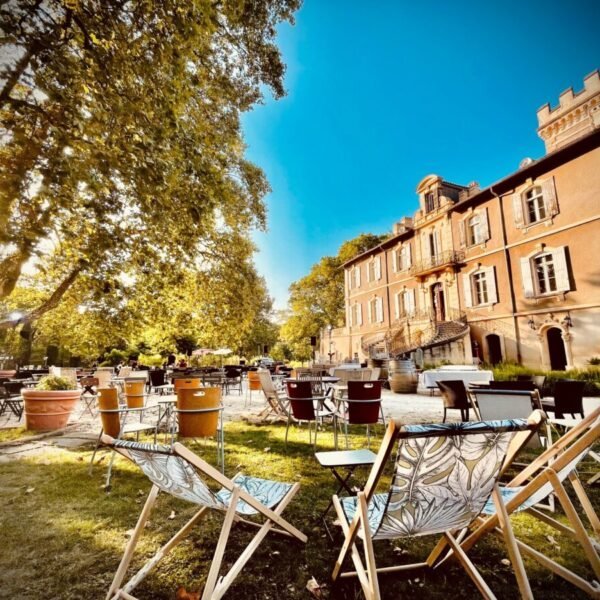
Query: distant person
x,y
182,364
171,360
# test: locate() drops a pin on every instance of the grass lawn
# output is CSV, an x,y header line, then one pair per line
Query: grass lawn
x,y
63,535
10,434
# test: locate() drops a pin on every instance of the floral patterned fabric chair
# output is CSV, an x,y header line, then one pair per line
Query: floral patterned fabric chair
x,y
548,474
443,476
181,473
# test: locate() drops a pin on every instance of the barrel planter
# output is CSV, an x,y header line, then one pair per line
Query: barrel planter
x,y
134,393
192,383
198,424
108,399
403,376
48,410
379,363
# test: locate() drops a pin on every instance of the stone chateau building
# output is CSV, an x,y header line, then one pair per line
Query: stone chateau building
x,y
508,272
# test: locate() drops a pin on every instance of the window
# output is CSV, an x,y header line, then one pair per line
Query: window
x,y
374,269
434,244
430,201
355,277
534,205
545,272
404,303
474,229
376,310
480,287
356,314
402,258
371,271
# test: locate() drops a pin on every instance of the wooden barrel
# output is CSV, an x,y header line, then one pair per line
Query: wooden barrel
x,y
403,376
379,363
108,399
190,383
198,424
134,393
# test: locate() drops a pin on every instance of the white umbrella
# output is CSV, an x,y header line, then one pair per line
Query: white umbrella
x,y
202,352
222,352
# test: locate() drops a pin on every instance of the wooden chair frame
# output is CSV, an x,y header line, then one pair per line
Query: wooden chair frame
x,y
367,572
215,586
545,469
277,406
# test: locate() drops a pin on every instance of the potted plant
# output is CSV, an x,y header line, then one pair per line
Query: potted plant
x,y
49,405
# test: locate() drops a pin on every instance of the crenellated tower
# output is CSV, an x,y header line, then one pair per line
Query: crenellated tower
x,y
576,115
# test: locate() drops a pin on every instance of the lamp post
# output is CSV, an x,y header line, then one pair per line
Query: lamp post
x,y
330,353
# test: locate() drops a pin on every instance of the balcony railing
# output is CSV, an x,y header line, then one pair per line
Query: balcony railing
x,y
439,261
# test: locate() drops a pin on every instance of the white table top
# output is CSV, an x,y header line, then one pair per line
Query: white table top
x,y
430,378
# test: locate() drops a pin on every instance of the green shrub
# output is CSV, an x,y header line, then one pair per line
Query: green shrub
x,y
151,360
56,383
591,376
594,361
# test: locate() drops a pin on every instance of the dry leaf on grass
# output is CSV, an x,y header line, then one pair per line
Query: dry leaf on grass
x,y
29,490
183,594
314,588
172,515
505,562
267,449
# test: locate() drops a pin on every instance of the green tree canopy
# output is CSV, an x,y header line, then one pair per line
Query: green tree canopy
x,y
121,152
317,299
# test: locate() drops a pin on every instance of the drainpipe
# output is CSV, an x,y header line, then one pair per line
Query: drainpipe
x,y
509,272
387,292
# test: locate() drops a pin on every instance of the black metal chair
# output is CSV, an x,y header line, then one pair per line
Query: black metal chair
x,y
568,398
520,386
233,379
12,398
454,395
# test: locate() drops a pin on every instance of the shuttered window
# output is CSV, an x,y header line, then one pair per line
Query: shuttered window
x,y
545,273
480,287
535,204
356,314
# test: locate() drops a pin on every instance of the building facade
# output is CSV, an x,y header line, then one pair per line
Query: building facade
x,y
508,272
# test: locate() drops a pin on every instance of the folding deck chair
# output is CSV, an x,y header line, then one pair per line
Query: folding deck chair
x,y
443,476
277,403
544,476
179,472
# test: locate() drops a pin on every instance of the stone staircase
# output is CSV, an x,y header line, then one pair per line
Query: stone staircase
x,y
437,333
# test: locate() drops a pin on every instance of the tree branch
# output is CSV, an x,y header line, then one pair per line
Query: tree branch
x,y
48,305
20,68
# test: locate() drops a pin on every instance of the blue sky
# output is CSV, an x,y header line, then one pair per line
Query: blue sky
x,y
380,97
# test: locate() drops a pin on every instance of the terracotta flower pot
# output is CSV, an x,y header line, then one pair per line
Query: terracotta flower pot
x,y
47,410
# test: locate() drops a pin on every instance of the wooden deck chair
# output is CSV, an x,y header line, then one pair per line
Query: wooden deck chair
x,y
179,472
443,476
277,406
547,475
